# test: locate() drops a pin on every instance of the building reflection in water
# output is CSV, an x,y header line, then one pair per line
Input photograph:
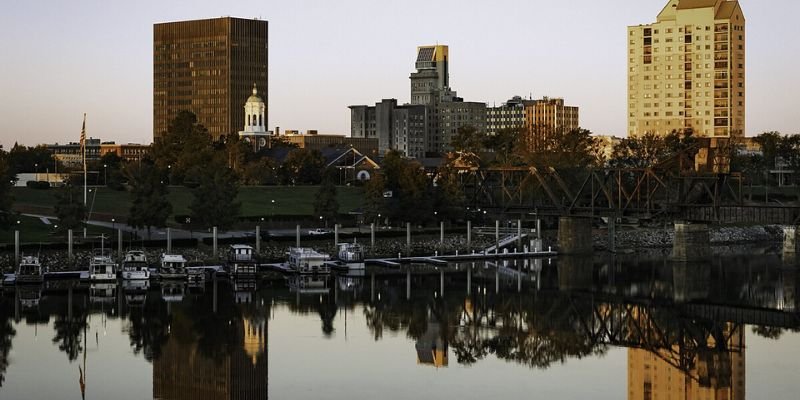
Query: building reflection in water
x,y
432,346
185,371
710,375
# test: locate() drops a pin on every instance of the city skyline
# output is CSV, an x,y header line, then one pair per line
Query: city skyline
x,y
96,58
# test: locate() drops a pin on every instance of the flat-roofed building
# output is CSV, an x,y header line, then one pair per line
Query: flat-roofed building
x,y
686,71
548,115
368,146
208,67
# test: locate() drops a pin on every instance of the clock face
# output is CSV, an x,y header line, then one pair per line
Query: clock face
x,y
262,142
247,140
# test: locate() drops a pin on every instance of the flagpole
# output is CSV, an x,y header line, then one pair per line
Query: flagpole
x,y
85,173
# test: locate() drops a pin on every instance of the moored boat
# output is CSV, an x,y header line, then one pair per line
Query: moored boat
x,y
241,260
30,270
134,266
102,267
350,257
173,266
308,261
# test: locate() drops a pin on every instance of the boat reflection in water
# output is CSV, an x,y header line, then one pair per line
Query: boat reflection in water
x,y
135,292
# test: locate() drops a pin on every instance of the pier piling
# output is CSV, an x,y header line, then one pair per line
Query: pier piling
x,y
16,248
469,234
372,237
169,241
258,239
119,243
408,236
298,236
214,240
69,243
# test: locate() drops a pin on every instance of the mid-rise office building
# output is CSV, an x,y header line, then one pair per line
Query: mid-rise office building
x,y
510,115
208,67
548,115
427,125
686,71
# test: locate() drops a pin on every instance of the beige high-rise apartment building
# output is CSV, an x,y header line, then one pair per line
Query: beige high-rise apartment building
x,y
686,71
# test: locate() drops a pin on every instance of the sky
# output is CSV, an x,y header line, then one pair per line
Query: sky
x,y
61,59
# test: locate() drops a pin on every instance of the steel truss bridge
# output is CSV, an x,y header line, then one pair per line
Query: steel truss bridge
x,y
650,193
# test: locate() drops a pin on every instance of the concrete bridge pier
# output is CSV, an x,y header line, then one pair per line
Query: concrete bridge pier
x,y
691,243
790,241
575,272
690,281
575,235
791,290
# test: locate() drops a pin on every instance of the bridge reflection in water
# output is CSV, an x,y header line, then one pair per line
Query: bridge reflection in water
x,y
684,325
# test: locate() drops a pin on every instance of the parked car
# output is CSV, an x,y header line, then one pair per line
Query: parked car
x,y
319,231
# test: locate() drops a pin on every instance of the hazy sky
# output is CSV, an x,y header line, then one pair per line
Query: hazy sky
x,y
63,58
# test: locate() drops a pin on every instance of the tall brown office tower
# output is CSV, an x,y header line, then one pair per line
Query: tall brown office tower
x,y
208,67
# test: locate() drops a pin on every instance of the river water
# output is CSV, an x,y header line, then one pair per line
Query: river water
x,y
572,328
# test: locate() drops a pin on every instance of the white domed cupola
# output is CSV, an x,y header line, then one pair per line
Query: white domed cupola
x,y
255,130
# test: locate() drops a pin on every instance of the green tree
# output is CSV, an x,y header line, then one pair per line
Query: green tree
x,y
262,171
304,167
6,199
214,202
325,204
110,165
185,146
639,151
561,149
149,204
69,208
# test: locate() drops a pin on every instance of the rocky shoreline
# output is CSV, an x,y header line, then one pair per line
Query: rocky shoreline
x,y
661,238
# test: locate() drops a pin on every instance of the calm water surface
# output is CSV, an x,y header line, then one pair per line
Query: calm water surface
x,y
572,329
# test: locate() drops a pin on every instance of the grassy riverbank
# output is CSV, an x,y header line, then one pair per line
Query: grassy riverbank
x,y
256,201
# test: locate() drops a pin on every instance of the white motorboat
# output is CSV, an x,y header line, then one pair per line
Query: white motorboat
x,y
134,266
308,261
30,270
172,266
102,267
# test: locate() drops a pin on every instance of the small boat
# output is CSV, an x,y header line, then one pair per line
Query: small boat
x,y
102,267
30,270
308,261
134,266
241,261
172,267
350,257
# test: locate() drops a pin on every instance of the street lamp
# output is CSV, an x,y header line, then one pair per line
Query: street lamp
x,y
113,223
105,174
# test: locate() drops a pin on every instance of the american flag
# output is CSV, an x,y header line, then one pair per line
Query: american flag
x,y
83,135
